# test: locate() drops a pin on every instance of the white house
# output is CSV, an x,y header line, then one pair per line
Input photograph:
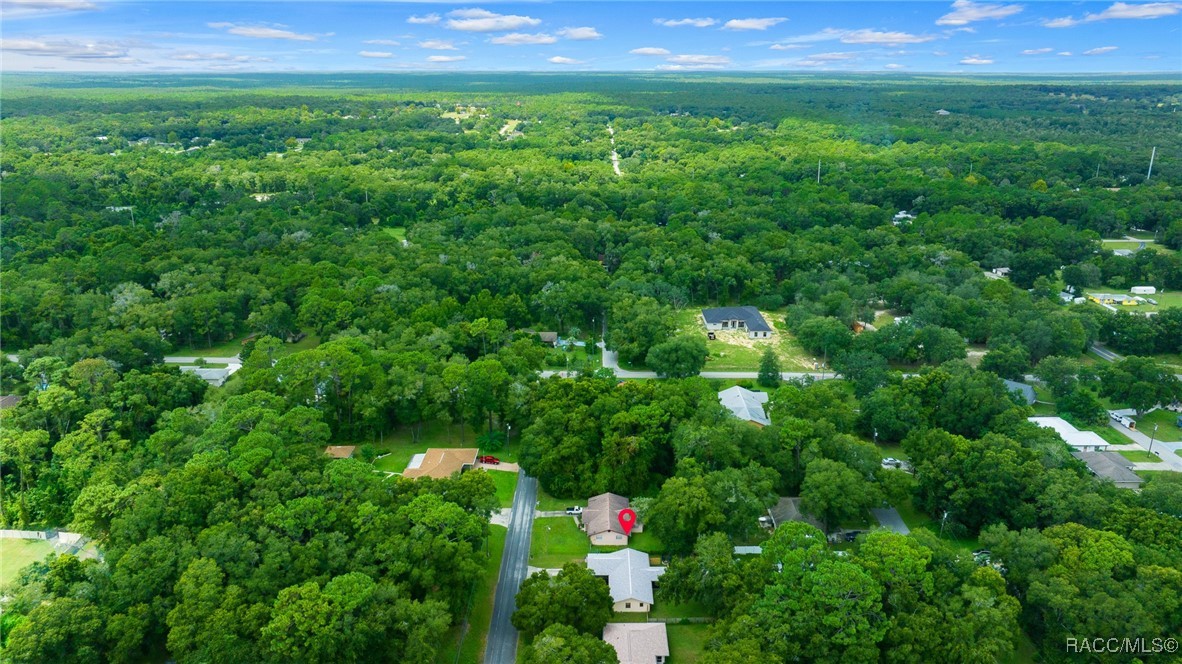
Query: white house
x,y
737,318
1081,441
630,578
745,404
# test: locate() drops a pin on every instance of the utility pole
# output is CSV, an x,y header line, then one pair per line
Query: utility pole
x,y
818,171
1151,439
1151,156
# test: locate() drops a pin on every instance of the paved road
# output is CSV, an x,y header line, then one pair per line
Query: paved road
x,y
502,635
888,517
1164,451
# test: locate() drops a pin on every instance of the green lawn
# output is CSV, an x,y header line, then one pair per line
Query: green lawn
x,y
506,484
1139,456
916,519
1164,299
471,651
17,554
733,351
892,450
1167,430
687,642
642,541
1110,435
398,233
1025,652
684,610
587,359
229,348
557,541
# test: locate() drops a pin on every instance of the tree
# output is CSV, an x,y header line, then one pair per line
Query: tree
x,y
1082,406
573,597
769,369
824,335
1010,361
834,492
682,511
635,326
1139,382
713,576
563,643
866,370
65,630
1058,373
680,357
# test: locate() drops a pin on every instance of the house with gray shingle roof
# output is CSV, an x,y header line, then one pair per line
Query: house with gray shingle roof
x,y
1111,466
1025,392
745,404
737,318
630,578
601,520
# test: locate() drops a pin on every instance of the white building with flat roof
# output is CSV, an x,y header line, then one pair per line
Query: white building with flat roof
x,y
1082,441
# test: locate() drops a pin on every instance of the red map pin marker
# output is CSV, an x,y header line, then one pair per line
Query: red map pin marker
x,y
627,520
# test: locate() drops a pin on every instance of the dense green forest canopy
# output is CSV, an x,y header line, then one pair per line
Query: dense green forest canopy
x,y
421,227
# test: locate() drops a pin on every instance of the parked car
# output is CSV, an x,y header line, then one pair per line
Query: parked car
x,y
852,535
490,460
574,511
891,462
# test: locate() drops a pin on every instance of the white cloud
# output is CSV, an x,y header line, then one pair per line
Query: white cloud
x,y
522,39
786,47
1149,10
832,57
194,56
482,20
863,36
437,45
14,9
752,23
375,54
260,32
976,60
69,49
698,60
429,19
1037,51
1064,53
1100,50
381,42
580,34
446,58
894,66
649,50
885,38
965,12
559,60
681,22
939,54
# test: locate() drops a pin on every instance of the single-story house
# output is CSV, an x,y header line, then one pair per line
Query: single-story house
x,y
630,578
1024,391
737,318
548,338
215,377
601,520
10,401
340,451
441,463
1082,441
943,112
1143,290
1123,252
745,404
788,509
1111,466
638,643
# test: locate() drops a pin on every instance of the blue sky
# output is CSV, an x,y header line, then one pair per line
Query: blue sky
x,y
947,36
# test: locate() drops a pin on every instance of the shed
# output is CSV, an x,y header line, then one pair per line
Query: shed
x,y
1143,290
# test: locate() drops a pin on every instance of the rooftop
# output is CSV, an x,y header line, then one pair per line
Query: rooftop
x,y
629,574
1072,436
340,451
1109,465
603,513
745,404
637,643
749,315
1025,390
440,463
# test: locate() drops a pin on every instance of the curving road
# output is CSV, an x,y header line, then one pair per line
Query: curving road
x,y
502,635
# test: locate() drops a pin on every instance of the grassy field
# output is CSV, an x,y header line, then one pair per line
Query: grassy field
x,y
587,359
687,642
1139,456
557,541
17,554
1110,435
685,610
506,484
471,651
916,519
1164,299
733,351
548,503
398,233
642,541
1167,430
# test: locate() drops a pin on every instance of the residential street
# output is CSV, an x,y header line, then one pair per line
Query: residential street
x,y
502,636
1164,451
